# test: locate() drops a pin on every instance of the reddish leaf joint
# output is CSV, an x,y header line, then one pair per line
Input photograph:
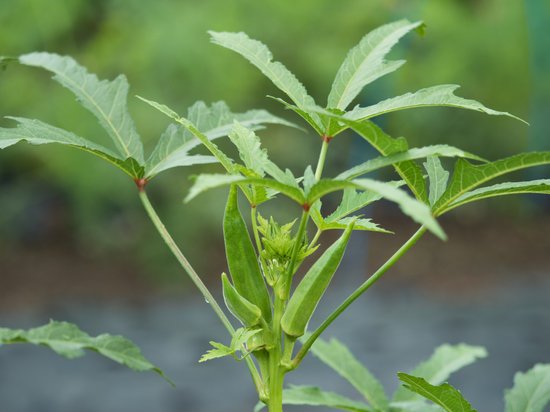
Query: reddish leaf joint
x,y
141,183
326,138
306,206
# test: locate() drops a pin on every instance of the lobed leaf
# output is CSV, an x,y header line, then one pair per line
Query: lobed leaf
x,y
366,62
215,121
442,95
438,178
541,186
446,396
413,208
531,391
441,150
360,224
107,100
315,118
226,162
352,201
69,341
172,150
445,360
260,56
210,181
467,176
414,406
408,170
337,356
313,396
220,350
36,132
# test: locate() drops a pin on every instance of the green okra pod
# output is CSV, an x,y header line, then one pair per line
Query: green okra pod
x,y
248,313
307,295
241,258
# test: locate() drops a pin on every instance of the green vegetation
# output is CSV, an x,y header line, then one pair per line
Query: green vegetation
x,y
262,290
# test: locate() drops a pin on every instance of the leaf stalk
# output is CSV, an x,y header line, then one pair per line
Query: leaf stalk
x,y
358,292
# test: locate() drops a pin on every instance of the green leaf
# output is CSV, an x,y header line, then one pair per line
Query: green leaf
x,y
541,186
531,391
449,398
340,359
325,186
417,210
309,181
237,344
415,406
409,171
314,117
352,201
445,360
105,99
313,396
467,176
260,56
226,162
253,156
220,350
441,150
172,150
360,224
215,121
210,181
442,95
366,62
69,341
36,132
438,178
413,208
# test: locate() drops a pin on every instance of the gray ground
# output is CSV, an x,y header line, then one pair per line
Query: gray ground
x,y
388,331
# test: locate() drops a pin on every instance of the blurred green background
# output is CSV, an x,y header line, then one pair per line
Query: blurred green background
x,y
54,195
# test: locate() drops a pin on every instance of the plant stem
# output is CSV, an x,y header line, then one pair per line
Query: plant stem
x,y
196,279
276,372
358,292
322,158
315,238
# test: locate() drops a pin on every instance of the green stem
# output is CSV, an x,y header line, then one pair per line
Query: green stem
x,y
322,158
315,238
276,372
358,292
195,278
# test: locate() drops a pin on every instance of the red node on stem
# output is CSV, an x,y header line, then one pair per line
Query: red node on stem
x,y
141,183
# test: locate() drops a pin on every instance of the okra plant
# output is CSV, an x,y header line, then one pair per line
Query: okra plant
x,y
261,290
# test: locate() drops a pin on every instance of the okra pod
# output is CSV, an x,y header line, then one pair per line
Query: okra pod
x,y
309,291
248,313
241,258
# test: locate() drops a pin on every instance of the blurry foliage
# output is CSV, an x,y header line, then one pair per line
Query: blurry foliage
x,y
163,48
